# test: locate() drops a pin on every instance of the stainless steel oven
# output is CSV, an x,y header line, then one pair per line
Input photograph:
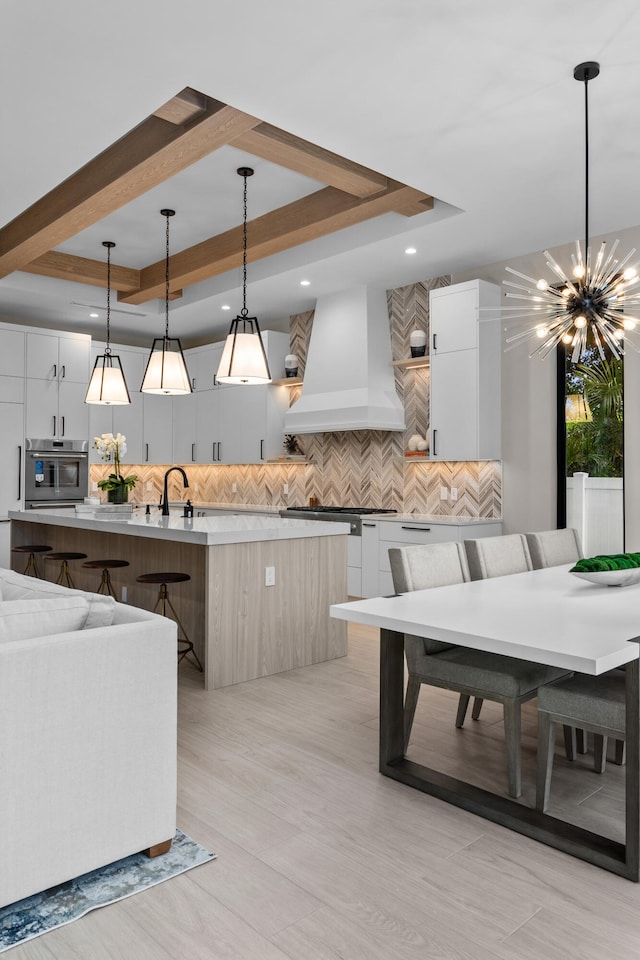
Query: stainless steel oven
x,y
56,473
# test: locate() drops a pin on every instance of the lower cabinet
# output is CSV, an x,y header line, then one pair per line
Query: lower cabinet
x,y
378,536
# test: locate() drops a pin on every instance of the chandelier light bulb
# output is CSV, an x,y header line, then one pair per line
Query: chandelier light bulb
x,y
630,273
629,323
619,334
541,332
567,338
580,322
542,285
578,271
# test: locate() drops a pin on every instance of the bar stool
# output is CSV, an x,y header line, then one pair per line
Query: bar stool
x,y
185,645
105,566
64,577
31,569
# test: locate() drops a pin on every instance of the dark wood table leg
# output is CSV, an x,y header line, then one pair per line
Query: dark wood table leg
x,y
391,698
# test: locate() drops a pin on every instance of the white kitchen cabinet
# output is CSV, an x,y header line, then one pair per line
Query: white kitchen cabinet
x,y
157,420
465,403
57,369
56,410
203,365
209,434
185,433
12,353
11,475
62,358
369,570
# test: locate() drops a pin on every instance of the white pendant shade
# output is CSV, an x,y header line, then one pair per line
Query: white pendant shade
x,y
166,371
107,385
243,360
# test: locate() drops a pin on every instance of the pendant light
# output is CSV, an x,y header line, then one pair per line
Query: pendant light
x,y
244,359
588,306
107,385
166,371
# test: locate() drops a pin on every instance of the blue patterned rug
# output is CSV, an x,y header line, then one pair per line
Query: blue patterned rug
x,y
58,905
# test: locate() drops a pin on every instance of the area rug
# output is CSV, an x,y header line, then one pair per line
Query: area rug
x,y
69,901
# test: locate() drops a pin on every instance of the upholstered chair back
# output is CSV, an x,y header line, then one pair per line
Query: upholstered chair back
x,y
551,548
498,556
422,567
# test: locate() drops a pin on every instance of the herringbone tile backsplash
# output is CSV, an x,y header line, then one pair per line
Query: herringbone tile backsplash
x,y
361,468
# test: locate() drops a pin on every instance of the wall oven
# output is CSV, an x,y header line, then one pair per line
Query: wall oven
x,y
56,473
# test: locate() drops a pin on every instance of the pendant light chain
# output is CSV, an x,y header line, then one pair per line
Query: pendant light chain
x,y
166,279
244,250
108,347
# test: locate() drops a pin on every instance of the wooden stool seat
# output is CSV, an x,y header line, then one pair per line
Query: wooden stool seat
x,y
30,548
185,646
31,568
64,577
105,565
163,577
65,556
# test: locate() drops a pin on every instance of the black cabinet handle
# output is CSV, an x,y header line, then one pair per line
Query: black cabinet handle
x,y
219,452
213,452
19,473
369,524
55,370
434,442
193,383
146,453
62,371
62,419
54,424
421,529
262,449
193,453
434,341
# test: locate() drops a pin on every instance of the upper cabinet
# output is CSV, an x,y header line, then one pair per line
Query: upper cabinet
x,y
51,357
57,369
465,408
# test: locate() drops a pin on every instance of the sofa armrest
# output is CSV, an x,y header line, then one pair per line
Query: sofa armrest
x,y
87,750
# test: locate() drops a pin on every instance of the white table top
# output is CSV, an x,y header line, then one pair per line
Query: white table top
x,y
547,616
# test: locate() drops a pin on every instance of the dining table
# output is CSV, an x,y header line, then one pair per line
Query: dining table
x,y
547,616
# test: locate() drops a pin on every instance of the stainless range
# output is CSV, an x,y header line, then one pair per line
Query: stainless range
x,y
350,515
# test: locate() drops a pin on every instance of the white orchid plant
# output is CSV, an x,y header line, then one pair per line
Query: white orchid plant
x,y
113,449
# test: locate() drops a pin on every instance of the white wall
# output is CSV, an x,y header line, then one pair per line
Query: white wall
x,y
632,450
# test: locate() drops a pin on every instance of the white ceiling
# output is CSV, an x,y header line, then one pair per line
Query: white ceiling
x,y
474,103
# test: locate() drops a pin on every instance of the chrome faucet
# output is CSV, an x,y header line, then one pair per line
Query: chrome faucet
x,y
164,503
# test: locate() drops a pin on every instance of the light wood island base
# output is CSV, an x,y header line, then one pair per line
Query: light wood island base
x,y
240,628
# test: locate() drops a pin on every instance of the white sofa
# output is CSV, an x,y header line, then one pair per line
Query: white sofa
x,y
87,734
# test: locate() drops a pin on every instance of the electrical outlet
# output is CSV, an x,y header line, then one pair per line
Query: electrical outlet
x,y
124,594
269,576
149,485
454,493
285,489
443,493
94,486
234,488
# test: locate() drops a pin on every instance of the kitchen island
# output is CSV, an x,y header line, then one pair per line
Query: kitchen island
x,y
241,628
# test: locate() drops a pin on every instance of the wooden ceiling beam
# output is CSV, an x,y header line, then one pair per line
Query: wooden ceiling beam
x,y
309,218
148,155
64,266
183,107
278,146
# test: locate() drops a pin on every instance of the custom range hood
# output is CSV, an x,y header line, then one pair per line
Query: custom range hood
x,y
348,378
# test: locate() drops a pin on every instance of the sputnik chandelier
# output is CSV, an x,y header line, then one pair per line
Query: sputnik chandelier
x,y
594,303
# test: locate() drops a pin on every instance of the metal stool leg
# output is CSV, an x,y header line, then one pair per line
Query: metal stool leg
x,y
105,585
64,577
163,602
31,569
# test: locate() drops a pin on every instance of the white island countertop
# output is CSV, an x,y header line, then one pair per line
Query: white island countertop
x,y
207,531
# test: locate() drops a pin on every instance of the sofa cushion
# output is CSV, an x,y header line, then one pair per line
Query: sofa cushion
x,y
22,619
16,586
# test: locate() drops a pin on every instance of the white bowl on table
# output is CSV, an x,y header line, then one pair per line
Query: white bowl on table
x,y
610,578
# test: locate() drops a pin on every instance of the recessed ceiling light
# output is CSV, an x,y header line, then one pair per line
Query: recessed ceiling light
x,y
411,250
225,306
305,283
94,315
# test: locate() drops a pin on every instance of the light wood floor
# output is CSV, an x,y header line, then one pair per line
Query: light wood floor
x,y
321,858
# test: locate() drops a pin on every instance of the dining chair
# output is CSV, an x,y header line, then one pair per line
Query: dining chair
x,y
551,548
463,670
596,704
